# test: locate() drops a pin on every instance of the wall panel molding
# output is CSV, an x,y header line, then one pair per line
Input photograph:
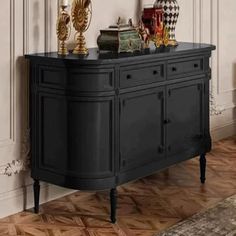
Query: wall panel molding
x,y
215,9
197,21
202,32
12,69
26,25
216,109
219,18
49,11
11,136
16,166
48,25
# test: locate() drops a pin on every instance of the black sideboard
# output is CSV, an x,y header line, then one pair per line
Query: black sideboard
x,y
103,120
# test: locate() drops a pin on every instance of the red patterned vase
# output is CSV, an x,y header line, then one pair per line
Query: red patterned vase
x,y
171,14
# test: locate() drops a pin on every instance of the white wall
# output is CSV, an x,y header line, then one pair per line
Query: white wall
x,y
28,26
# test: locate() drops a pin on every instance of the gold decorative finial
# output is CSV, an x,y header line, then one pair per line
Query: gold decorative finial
x,y
63,30
119,21
81,17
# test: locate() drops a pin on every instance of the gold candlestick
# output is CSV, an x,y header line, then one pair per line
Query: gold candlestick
x,y
63,30
81,17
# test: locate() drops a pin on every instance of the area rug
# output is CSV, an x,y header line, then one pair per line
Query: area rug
x,y
217,221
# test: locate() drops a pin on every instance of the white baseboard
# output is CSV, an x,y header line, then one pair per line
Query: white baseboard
x,y
21,199
225,131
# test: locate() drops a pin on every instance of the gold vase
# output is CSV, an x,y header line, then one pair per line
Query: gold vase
x,y
171,13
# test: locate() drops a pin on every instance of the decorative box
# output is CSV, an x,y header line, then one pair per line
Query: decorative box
x,y
152,18
119,38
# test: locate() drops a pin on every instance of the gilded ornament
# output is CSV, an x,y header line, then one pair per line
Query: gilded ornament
x,y
171,13
152,28
63,30
81,18
144,34
166,36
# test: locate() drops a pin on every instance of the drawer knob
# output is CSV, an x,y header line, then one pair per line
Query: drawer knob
x,y
196,65
155,72
128,76
167,121
174,69
123,163
200,136
161,149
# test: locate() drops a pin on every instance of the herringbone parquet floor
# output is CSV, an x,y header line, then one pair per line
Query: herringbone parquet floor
x,y
145,207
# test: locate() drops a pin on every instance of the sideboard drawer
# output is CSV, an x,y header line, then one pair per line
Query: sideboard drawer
x,y
185,66
52,77
135,75
92,80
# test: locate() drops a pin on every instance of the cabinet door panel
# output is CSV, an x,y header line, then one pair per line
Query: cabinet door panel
x,y
141,129
185,108
76,134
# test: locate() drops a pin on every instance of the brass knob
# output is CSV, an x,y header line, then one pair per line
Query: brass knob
x,y
161,149
167,121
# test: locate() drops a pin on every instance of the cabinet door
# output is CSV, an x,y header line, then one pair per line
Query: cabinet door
x,y
141,129
185,119
76,136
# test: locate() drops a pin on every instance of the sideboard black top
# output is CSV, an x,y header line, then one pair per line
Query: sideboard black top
x,y
96,57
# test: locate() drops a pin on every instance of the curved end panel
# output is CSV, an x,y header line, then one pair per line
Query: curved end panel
x,y
73,182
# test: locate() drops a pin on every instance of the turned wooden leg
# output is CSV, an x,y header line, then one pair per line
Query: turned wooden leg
x,y
113,201
36,195
203,168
